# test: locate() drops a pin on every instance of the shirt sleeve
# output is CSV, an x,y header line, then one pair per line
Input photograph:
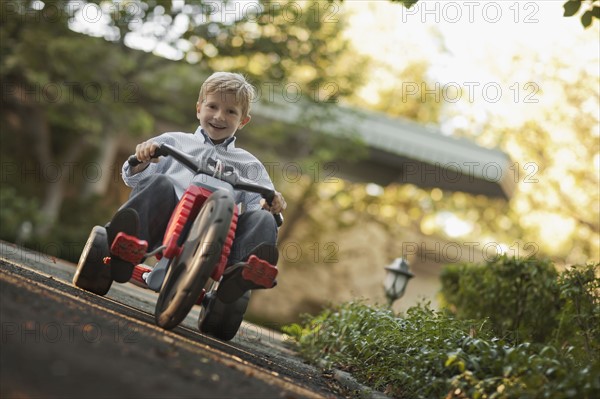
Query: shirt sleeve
x,y
153,168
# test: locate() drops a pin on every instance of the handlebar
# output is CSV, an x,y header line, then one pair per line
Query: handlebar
x,y
192,164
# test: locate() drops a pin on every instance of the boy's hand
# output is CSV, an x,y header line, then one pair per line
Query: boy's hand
x,y
145,150
278,204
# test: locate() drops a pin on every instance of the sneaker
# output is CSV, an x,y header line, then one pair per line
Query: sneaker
x,y
125,221
254,273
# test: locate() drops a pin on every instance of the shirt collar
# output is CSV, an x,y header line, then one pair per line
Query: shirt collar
x,y
229,143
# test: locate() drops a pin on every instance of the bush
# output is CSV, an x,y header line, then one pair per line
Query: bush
x,y
512,329
579,317
430,354
520,298
528,301
405,357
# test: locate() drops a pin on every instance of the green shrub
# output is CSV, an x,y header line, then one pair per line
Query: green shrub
x,y
579,317
528,301
519,297
430,354
487,369
403,356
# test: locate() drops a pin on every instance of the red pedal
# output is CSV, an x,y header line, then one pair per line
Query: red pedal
x,y
260,272
129,248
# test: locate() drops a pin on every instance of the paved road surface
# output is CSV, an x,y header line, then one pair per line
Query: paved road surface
x,y
62,342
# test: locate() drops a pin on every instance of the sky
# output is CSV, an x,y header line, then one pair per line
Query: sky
x,y
471,45
470,31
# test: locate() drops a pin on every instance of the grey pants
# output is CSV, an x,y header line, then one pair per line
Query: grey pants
x,y
154,200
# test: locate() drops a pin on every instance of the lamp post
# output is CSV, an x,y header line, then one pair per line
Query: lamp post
x,y
396,279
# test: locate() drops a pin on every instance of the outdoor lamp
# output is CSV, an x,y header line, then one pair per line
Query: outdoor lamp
x,y
396,279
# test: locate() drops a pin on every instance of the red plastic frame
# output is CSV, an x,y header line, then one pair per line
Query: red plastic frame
x,y
187,209
218,272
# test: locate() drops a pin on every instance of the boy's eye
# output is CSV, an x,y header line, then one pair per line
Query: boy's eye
x,y
233,111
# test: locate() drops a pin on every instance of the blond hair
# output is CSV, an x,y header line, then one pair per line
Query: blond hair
x,y
229,83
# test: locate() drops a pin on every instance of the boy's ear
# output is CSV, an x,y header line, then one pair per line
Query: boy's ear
x,y
244,122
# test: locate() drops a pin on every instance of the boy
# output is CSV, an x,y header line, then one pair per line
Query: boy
x,y
222,109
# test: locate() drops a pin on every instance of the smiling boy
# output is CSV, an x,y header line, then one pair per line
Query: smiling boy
x,y
222,109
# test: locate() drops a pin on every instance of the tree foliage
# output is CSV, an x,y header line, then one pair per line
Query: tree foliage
x,y
70,99
270,41
553,148
590,9
65,96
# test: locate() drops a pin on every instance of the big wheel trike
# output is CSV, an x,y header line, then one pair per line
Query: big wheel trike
x,y
193,254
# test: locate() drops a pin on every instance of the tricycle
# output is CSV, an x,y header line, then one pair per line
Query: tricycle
x,y
193,254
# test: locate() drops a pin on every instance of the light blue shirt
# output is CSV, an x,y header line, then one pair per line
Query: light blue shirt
x,y
201,147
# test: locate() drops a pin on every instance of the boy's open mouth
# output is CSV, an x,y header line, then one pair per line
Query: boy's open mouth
x,y
217,126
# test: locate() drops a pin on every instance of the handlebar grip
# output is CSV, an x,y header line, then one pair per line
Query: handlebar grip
x,y
278,216
133,161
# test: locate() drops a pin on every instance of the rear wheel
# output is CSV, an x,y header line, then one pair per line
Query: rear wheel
x,y
92,274
190,271
223,320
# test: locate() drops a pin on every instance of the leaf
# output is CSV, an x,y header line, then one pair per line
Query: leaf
x,y
451,360
571,7
586,18
596,12
409,3
406,3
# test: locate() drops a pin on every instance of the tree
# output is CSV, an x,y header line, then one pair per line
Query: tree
x,y
55,112
76,97
555,163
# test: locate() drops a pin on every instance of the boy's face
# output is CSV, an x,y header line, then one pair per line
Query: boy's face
x,y
220,115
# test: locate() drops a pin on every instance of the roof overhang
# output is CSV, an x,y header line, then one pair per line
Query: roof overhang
x,y
402,151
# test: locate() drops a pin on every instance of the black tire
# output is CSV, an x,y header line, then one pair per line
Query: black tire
x,y
92,274
223,320
190,271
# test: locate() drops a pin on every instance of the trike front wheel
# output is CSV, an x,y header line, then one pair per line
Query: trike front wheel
x,y
190,271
